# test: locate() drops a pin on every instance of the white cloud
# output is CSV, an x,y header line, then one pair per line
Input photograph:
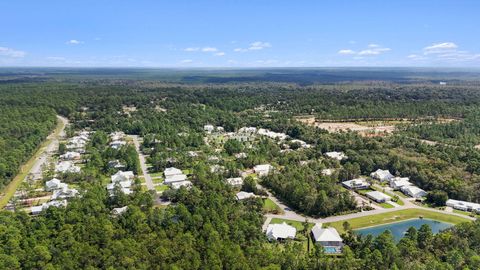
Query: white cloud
x,y
374,51
56,58
346,51
186,61
209,49
259,45
191,49
219,54
74,42
254,46
440,47
9,52
371,50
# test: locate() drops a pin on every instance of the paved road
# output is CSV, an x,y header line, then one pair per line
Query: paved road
x,y
291,215
50,150
143,163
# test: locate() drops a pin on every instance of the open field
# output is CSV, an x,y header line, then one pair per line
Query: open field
x,y
367,221
269,206
10,189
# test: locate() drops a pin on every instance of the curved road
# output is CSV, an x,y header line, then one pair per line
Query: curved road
x,y
291,215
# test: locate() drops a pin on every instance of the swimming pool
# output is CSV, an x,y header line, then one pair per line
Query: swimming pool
x,y
332,250
399,229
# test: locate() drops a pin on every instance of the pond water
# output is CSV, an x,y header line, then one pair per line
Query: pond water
x,y
399,229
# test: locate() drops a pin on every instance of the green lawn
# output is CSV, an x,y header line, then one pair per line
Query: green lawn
x,y
366,221
157,180
297,224
161,188
386,205
157,174
269,206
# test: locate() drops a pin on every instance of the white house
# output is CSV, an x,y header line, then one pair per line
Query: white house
x,y
64,192
208,128
121,176
171,171
336,155
176,185
272,134
53,184
413,191
235,181
358,183
70,156
382,175
247,130
242,195
463,205
328,238
241,155
35,210
398,182
117,144
280,231
302,144
378,196
117,135
119,210
263,169
116,164
175,178
328,172
67,167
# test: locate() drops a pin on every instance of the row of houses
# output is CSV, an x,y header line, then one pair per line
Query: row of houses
x,y
463,205
328,237
175,178
78,142
61,192
122,180
399,183
117,139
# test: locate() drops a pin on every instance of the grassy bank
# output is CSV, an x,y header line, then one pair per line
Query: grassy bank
x,y
390,217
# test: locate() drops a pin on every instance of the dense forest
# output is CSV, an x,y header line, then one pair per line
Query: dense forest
x,y
22,129
207,228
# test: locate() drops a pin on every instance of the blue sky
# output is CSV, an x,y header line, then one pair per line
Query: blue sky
x,y
242,33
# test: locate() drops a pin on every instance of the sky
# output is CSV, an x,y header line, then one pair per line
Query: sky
x,y
242,33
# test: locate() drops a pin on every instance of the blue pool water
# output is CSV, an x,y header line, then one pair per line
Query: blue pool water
x,y
399,229
331,250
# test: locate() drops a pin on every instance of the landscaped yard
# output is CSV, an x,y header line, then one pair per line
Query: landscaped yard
x,y
366,221
161,188
157,174
270,207
386,205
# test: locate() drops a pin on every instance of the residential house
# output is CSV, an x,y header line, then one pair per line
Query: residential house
x,y
242,195
378,196
67,167
382,175
413,191
70,156
208,128
398,182
358,183
122,176
117,144
281,231
336,155
176,185
262,170
328,238
235,181
463,205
